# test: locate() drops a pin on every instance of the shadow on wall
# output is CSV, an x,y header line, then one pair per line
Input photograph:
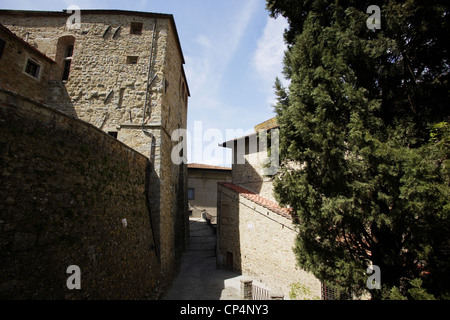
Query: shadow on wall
x,y
245,164
71,195
57,95
199,277
59,99
228,233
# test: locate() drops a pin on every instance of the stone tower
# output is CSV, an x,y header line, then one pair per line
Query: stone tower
x,y
121,71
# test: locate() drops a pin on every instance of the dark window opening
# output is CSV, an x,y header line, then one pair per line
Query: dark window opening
x,y
2,47
191,193
64,53
32,68
132,60
113,134
136,28
66,70
69,51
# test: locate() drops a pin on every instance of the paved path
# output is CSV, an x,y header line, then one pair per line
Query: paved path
x,y
199,279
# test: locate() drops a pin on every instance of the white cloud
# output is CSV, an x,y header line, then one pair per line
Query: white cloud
x,y
269,53
219,44
204,41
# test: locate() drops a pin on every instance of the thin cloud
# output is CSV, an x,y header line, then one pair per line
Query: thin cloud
x,y
206,71
269,53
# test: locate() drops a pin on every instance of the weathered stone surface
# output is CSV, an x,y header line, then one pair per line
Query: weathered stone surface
x,y
109,93
68,209
261,243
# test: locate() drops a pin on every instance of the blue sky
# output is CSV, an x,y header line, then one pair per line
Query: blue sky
x,y
233,53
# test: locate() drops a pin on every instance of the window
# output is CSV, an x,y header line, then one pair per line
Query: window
x,y
2,47
132,60
69,51
113,134
64,54
67,62
191,193
66,70
32,68
136,28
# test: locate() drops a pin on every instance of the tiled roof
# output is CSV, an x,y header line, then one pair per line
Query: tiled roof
x,y
256,198
206,166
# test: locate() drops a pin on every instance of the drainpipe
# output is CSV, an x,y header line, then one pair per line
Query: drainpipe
x,y
154,224
150,79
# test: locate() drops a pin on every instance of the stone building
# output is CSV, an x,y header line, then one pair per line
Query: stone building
x,y
255,235
122,72
202,188
23,68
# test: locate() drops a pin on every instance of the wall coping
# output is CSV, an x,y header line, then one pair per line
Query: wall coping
x,y
259,200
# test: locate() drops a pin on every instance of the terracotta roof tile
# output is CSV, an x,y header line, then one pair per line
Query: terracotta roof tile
x,y
256,198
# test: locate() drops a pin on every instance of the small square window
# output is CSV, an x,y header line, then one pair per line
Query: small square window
x,y
32,68
132,60
136,28
2,47
191,193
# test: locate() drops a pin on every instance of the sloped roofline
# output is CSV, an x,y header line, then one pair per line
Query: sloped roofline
x,y
260,200
26,44
207,167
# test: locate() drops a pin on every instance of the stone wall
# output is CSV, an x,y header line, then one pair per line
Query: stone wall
x,y
105,89
12,67
249,173
204,183
261,243
66,189
248,165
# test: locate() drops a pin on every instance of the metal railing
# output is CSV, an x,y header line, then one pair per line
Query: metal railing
x,y
259,293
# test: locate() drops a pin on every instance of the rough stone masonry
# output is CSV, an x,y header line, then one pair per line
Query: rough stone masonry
x,y
122,72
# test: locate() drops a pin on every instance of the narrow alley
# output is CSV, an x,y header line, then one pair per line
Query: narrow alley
x,y
199,279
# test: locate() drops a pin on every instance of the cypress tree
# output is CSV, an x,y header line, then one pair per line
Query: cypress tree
x,y
365,143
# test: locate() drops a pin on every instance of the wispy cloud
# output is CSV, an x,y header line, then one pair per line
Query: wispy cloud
x,y
219,45
269,53
206,72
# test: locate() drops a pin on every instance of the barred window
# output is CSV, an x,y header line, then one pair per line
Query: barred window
x,y
32,68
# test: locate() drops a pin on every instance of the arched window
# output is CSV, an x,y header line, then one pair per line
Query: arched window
x,y
64,54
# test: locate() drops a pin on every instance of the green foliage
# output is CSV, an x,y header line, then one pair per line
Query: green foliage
x,y
300,291
415,292
365,117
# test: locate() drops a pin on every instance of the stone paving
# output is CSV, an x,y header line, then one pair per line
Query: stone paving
x,y
199,279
